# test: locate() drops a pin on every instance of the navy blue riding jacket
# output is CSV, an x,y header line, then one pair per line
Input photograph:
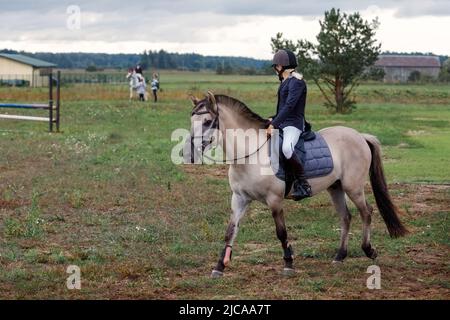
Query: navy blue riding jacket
x,y
291,104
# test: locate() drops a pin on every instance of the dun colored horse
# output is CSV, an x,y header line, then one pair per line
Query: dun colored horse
x,y
355,156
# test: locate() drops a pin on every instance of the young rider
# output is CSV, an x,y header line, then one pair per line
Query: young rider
x,y
290,117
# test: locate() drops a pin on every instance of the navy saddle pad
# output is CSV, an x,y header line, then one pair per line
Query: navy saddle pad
x,y
315,155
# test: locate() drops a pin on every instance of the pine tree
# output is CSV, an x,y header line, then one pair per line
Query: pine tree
x,y
346,46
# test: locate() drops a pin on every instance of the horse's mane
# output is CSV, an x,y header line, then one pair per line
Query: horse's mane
x,y
240,108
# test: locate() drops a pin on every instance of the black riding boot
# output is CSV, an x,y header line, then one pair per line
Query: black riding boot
x,y
302,189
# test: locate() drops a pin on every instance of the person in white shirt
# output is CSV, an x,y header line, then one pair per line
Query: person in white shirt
x,y
155,86
140,87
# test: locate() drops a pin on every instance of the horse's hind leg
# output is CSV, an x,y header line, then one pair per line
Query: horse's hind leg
x,y
365,210
278,216
239,205
338,196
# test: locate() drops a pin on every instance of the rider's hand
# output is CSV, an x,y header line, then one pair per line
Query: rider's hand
x,y
269,130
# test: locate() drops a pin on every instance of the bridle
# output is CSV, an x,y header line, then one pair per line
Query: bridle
x,y
216,125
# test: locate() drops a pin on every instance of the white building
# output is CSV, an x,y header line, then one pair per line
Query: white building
x,y
19,69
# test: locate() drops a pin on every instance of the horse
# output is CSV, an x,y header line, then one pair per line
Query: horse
x,y
133,77
355,156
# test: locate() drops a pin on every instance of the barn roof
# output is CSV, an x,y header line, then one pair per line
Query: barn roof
x,y
408,61
28,60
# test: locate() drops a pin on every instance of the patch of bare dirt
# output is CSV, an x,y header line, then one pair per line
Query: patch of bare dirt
x,y
205,170
424,198
10,204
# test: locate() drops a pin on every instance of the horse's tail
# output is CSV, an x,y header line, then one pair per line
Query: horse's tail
x,y
387,209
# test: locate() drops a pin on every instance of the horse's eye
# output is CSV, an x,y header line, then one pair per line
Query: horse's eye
x,y
207,122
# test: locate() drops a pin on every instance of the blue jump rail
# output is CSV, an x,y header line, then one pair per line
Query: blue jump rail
x,y
24,106
51,106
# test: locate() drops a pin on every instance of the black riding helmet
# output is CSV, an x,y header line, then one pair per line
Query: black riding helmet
x,y
285,58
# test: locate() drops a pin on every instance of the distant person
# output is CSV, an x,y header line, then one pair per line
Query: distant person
x,y
155,86
138,69
140,87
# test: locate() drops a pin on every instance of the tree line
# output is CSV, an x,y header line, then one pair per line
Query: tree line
x,y
151,59
195,62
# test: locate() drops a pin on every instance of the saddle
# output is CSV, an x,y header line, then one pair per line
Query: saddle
x,y
314,153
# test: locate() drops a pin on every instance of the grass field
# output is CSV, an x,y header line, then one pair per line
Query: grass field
x,y
104,195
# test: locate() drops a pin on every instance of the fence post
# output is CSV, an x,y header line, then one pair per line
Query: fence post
x,y
58,99
50,101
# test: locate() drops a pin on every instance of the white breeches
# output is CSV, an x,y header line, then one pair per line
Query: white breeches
x,y
290,138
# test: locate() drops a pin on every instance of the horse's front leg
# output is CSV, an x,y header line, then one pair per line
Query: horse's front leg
x,y
239,204
288,253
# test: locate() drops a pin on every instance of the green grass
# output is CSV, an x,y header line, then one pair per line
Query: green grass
x,y
107,198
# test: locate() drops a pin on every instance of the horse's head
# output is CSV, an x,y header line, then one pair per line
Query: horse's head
x,y
131,72
204,131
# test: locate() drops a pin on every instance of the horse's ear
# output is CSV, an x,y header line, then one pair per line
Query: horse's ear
x,y
212,105
194,100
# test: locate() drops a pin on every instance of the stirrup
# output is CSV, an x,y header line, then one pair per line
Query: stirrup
x,y
301,190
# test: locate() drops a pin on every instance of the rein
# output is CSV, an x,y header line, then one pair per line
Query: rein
x,y
215,125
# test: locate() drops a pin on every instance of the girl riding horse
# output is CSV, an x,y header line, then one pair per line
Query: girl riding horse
x,y
290,117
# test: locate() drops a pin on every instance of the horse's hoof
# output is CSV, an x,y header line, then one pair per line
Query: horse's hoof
x,y
373,254
288,272
216,274
337,262
370,252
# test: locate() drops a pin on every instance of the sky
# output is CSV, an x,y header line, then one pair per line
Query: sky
x,y
210,27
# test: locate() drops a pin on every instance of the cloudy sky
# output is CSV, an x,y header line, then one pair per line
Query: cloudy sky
x,y
210,27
